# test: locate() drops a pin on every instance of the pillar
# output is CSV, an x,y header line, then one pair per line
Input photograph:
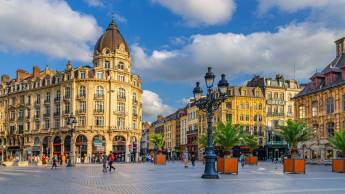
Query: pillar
x,y
89,150
334,154
138,150
51,148
108,145
322,152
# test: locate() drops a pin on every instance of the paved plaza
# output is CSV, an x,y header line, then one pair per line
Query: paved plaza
x,y
172,178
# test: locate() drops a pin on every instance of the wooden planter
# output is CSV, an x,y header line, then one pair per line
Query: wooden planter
x,y
220,164
338,165
252,160
160,159
294,166
230,166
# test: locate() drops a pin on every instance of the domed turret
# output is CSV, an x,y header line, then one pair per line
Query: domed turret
x,y
111,39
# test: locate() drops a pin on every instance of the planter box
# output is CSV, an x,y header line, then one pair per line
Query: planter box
x,y
252,160
160,159
230,166
294,166
338,165
220,164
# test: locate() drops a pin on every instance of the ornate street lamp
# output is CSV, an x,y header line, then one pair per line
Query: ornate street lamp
x,y
71,122
210,104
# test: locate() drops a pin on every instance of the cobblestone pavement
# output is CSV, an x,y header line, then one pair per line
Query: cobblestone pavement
x,y
172,178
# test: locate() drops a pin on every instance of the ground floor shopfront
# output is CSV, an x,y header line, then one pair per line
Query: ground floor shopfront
x,y
319,150
88,146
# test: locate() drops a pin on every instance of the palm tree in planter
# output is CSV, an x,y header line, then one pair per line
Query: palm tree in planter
x,y
294,133
227,136
338,142
157,140
251,142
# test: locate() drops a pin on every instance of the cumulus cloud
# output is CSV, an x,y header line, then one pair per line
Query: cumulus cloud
x,y
291,5
201,12
49,27
304,45
153,105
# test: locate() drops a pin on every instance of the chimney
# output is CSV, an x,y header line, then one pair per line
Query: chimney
x,y
36,71
340,46
21,75
5,78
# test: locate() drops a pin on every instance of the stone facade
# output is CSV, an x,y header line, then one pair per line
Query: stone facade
x,y
279,108
321,105
105,99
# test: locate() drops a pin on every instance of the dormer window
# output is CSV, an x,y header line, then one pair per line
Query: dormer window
x,y
82,75
99,75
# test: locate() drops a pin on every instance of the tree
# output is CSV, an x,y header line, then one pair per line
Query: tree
x,y
338,141
227,135
202,140
294,133
157,140
251,142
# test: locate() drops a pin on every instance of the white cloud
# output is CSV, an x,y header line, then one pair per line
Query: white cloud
x,y
201,12
329,13
292,5
304,45
49,27
153,105
95,3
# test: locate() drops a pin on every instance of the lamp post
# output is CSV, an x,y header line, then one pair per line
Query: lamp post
x,y
210,104
71,122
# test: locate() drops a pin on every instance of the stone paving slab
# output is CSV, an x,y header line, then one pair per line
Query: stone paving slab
x,y
265,178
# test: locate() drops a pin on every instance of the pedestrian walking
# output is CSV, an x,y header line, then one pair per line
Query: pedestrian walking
x,y
111,159
193,158
242,159
104,162
54,159
185,157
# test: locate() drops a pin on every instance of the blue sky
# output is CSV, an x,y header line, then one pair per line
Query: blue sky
x,y
173,41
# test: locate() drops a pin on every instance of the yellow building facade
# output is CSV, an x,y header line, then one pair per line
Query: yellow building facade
x,y
279,108
105,99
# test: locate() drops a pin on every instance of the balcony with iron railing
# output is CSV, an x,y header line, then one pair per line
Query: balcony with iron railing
x,y
98,111
47,101
275,114
57,114
99,96
67,97
57,100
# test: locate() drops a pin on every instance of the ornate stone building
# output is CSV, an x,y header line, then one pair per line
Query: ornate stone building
x,y
105,99
321,105
279,108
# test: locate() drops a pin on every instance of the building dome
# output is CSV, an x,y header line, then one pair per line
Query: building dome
x,y
111,39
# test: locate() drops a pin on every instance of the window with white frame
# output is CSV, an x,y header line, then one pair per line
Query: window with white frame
x,y
121,93
99,106
82,91
100,75
120,122
99,121
82,121
99,91
121,107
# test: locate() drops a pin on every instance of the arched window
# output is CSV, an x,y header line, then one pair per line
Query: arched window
x,y
107,64
122,93
99,91
82,91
